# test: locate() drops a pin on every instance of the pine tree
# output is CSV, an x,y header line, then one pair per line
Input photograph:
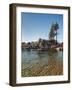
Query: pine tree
x,y
53,31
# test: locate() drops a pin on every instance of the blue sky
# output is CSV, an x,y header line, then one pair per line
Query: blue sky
x,y
36,25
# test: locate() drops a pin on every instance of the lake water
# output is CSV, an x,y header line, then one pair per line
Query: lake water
x,y
31,57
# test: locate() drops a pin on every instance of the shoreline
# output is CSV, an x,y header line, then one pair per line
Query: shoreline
x,y
53,67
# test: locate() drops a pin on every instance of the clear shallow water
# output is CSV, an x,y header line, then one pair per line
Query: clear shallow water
x,y
31,57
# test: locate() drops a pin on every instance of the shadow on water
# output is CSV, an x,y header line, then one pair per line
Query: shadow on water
x,y
49,53
34,55
39,63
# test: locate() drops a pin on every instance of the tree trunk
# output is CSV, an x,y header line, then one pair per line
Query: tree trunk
x,y
56,36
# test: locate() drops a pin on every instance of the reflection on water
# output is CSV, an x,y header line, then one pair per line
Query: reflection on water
x,y
31,57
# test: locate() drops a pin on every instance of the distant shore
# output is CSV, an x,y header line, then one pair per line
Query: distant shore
x,y
53,67
42,45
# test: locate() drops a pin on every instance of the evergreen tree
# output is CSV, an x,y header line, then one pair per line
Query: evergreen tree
x,y
53,31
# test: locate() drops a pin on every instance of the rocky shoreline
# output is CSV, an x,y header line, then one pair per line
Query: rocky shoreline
x,y
53,67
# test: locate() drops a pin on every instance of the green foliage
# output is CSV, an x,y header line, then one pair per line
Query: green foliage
x,y
53,30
